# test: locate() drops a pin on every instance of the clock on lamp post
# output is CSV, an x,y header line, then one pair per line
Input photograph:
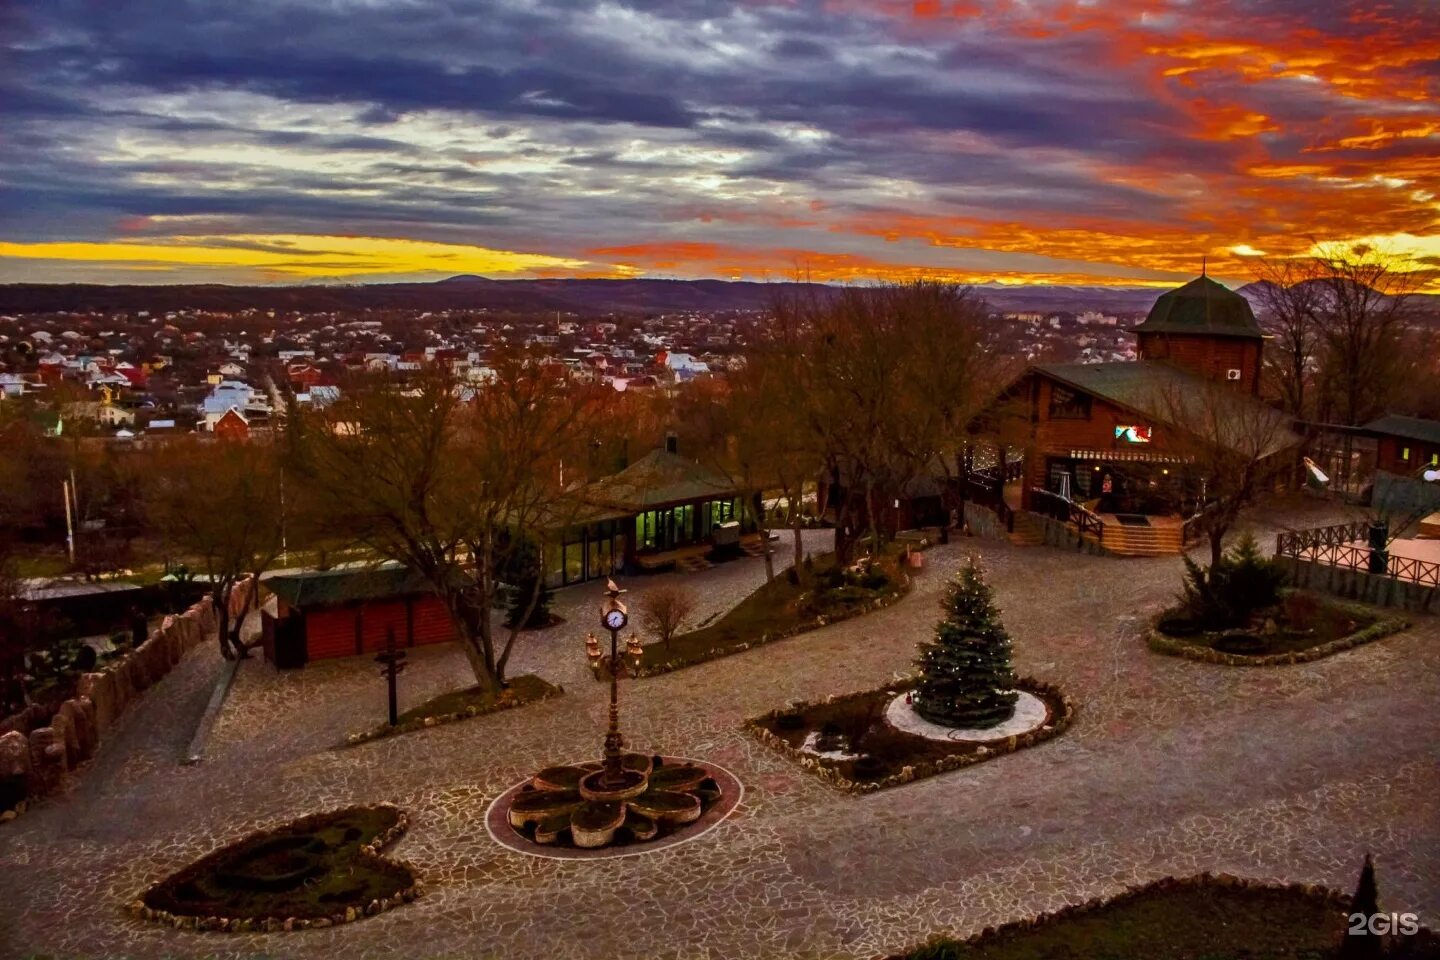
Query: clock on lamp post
x,y
613,617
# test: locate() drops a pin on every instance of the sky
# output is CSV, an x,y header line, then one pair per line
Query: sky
x,y
1015,141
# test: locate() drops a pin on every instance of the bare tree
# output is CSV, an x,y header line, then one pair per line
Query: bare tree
x,y
1364,309
664,610
886,378
1231,446
220,504
450,480
1290,308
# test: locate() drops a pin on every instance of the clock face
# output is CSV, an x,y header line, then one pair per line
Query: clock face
x,y
615,619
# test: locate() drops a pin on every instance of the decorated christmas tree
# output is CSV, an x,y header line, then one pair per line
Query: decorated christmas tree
x,y
965,675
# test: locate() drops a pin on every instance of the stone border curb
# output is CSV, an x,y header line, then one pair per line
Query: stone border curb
x,y
180,921
1161,642
1053,727
439,720
1340,901
717,653
196,751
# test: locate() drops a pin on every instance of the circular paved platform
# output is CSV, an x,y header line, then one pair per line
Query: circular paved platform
x,y
1030,713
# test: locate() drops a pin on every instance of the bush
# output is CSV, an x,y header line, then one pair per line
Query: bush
x,y
664,609
1252,581
1230,592
518,600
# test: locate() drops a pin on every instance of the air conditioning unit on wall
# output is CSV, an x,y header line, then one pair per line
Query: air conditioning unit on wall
x,y
1232,374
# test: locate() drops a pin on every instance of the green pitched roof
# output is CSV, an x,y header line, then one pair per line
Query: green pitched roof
x,y
1411,428
659,479
327,588
1156,390
1205,307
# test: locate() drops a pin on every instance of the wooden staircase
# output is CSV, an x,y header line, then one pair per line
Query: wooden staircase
x,y
1147,541
692,563
753,548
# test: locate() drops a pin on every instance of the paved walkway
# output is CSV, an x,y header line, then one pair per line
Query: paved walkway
x,y
1172,767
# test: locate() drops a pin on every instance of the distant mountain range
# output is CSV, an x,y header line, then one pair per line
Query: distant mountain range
x,y
585,297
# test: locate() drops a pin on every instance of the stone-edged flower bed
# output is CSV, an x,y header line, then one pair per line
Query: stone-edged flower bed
x,y
898,757
461,705
321,870
1202,645
1205,915
760,625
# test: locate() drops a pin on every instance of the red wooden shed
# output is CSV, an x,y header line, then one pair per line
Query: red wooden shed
x,y
343,613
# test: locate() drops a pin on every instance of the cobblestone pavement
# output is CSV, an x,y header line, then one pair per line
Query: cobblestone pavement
x,y
1172,767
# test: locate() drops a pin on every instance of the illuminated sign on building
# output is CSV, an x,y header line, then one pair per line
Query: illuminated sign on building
x,y
1132,433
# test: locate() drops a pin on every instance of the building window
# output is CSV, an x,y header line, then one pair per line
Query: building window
x,y
1067,404
1405,454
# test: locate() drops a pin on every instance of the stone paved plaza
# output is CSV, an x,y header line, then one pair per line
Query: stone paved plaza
x,y
1172,767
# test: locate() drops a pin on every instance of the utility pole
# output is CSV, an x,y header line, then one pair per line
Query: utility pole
x,y
69,521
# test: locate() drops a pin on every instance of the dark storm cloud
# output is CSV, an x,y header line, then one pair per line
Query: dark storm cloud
x,y
557,124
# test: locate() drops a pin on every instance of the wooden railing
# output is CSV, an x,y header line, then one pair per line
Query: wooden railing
x,y
1336,547
1060,508
986,488
1337,535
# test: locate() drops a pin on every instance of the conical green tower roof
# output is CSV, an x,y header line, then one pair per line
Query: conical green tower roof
x,y
1205,307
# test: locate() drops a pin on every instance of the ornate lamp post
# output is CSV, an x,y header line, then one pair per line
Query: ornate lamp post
x,y
613,778
634,796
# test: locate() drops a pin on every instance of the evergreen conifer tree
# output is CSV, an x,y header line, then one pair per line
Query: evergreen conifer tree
x,y
965,675
1366,901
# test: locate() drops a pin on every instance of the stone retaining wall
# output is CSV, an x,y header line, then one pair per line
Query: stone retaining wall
x,y
1382,591
38,746
1062,535
983,522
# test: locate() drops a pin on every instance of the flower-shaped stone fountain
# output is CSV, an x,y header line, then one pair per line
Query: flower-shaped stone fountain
x,y
625,798
652,798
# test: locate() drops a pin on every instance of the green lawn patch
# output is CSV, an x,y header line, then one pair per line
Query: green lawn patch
x,y
1302,627
1201,918
318,870
818,594
462,705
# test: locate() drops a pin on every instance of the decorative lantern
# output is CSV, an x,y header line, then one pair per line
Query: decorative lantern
x,y
634,651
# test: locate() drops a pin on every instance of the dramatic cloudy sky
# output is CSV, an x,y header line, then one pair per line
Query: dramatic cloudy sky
x,y
1016,140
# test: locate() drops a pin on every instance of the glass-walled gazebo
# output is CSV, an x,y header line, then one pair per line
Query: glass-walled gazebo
x,y
670,504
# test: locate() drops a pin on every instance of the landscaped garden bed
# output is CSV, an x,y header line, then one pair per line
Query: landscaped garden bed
x,y
1238,612
317,871
965,706
1300,628
815,595
1198,918
462,705
847,740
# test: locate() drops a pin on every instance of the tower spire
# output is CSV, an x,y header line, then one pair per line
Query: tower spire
x,y
1202,265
